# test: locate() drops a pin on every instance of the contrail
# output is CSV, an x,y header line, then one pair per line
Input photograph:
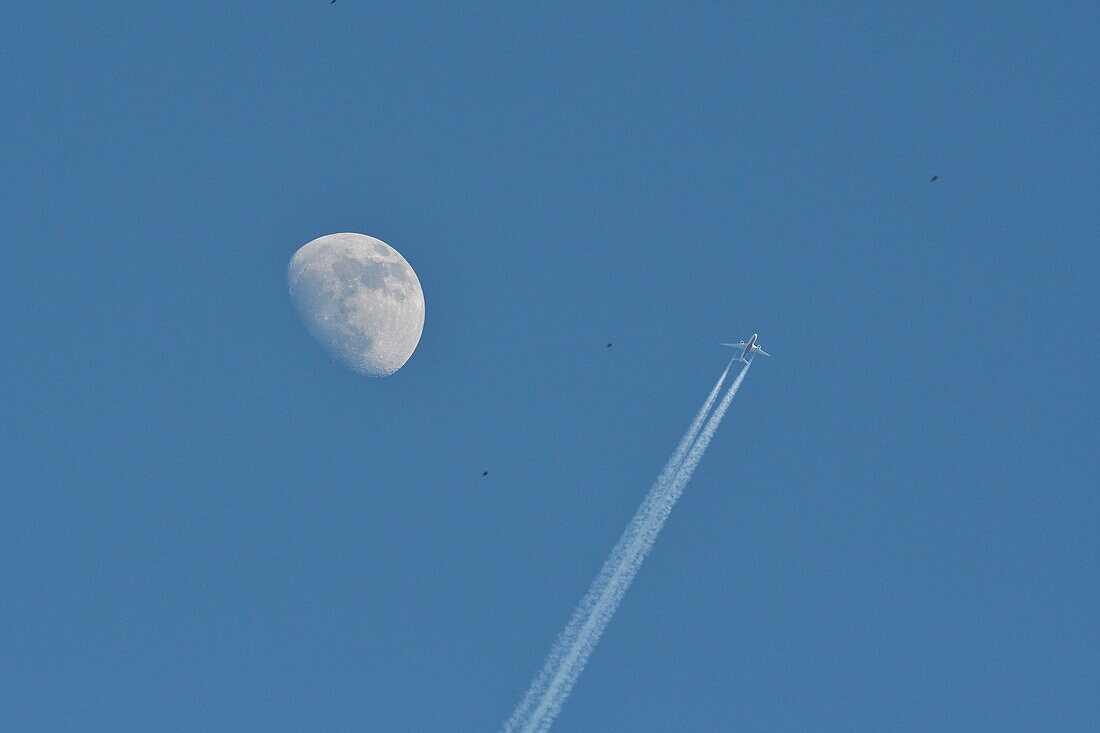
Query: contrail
x,y
693,430
544,699
623,551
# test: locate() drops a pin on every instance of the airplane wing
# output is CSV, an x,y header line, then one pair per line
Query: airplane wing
x,y
761,351
735,346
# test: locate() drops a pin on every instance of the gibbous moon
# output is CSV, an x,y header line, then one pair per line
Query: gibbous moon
x,y
360,298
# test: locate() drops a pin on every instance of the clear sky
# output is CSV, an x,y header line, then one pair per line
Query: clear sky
x,y
207,524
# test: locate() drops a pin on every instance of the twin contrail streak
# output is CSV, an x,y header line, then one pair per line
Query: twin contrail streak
x,y
623,550
543,701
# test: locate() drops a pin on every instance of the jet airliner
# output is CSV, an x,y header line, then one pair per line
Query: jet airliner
x,y
748,349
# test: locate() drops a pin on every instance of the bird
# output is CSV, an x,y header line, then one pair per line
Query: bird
x,y
609,344
934,179
483,473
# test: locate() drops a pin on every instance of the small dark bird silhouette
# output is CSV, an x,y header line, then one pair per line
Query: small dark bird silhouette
x,y
609,344
483,473
934,179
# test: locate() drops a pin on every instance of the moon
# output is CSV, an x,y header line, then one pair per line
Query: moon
x,y
360,299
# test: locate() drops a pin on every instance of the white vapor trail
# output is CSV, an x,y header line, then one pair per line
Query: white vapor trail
x,y
622,551
544,699
693,430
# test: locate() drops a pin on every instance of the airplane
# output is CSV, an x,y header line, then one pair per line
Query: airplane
x,y
750,348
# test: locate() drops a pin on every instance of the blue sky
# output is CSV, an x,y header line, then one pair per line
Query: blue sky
x,y
207,524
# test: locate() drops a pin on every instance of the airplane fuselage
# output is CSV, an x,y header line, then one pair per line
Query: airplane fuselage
x,y
749,346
